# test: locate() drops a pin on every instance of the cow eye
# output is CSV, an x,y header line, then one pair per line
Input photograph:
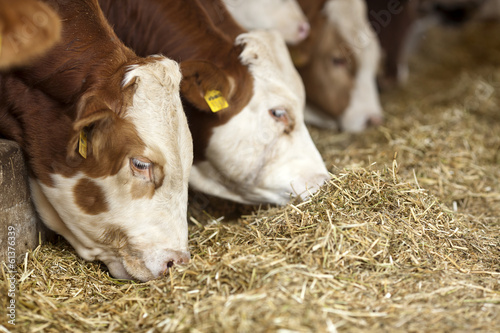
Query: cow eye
x,y
280,115
339,61
142,168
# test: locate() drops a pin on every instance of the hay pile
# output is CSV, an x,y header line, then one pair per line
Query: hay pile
x,y
405,237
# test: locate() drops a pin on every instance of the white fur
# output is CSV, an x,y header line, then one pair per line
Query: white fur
x,y
251,159
286,16
155,227
350,18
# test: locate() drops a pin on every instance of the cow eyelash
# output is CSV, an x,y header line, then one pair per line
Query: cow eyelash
x,y
338,61
278,113
140,165
142,168
281,115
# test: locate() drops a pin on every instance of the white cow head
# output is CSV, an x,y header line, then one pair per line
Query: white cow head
x,y
264,153
126,203
282,15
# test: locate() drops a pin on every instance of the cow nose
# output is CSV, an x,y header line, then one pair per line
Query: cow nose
x,y
311,185
374,121
303,31
176,258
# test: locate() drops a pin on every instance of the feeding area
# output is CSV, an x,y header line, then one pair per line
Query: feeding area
x,y
405,237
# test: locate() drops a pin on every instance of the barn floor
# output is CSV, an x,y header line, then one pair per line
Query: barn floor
x,y
405,238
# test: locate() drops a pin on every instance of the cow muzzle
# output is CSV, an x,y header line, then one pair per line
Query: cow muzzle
x,y
152,265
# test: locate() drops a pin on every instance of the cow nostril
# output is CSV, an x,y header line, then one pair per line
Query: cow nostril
x,y
374,121
304,29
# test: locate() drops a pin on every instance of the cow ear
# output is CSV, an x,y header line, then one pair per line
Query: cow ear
x,y
201,77
93,115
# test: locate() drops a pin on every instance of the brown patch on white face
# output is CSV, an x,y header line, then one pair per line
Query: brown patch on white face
x,y
90,197
330,74
117,239
114,237
146,188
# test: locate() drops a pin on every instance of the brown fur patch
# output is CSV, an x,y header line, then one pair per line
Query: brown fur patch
x,y
90,197
392,35
140,191
115,237
328,86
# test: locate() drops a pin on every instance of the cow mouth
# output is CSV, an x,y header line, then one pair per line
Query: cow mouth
x,y
152,265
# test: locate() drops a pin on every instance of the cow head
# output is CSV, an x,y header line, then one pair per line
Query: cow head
x,y
263,153
282,15
125,203
340,68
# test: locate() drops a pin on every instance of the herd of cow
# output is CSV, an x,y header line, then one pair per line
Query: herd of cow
x,y
118,105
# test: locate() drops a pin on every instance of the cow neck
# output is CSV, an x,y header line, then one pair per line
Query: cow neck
x,y
221,18
89,58
88,55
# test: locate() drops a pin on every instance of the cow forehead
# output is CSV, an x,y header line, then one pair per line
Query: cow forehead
x,y
156,97
269,61
156,109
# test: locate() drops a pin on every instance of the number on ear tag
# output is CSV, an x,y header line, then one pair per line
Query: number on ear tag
x,y
216,101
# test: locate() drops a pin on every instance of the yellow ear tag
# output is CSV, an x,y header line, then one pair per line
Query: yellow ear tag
x,y
216,101
82,146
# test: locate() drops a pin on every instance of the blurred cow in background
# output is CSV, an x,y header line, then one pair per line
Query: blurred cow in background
x,y
338,63
400,24
286,16
27,29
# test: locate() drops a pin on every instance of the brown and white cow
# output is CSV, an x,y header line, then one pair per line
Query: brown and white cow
x,y
27,29
107,143
286,16
394,22
401,24
338,63
257,149
489,10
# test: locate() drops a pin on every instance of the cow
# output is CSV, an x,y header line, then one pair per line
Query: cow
x,y
27,29
394,23
488,10
338,63
286,16
400,24
107,143
455,12
256,148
